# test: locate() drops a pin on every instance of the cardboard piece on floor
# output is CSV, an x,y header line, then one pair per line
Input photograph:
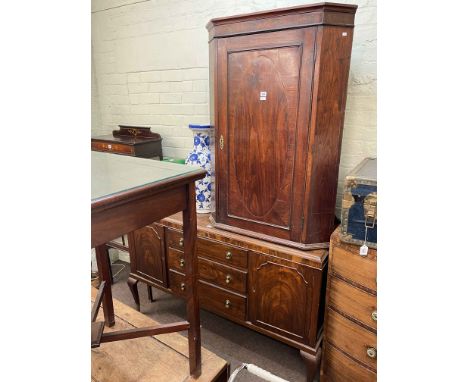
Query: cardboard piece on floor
x,y
159,358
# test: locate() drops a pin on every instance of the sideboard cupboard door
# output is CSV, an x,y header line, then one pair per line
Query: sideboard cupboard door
x,y
147,253
281,298
265,87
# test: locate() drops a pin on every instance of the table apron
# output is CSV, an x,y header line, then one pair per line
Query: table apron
x,y
113,222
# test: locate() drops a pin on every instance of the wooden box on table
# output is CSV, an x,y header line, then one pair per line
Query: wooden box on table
x,y
134,141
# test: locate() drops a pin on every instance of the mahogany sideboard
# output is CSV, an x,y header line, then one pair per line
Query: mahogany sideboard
x,y
273,289
350,339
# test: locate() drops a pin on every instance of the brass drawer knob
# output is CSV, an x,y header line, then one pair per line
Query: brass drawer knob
x,y
181,242
228,279
182,286
182,263
227,304
228,255
371,352
374,315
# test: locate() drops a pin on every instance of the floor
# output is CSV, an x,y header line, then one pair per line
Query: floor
x,y
230,341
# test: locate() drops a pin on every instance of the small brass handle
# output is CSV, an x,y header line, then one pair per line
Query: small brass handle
x,y
181,242
228,255
371,352
374,315
227,304
182,286
228,279
181,263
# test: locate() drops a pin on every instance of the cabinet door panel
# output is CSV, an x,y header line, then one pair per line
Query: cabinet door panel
x,y
264,92
280,296
147,253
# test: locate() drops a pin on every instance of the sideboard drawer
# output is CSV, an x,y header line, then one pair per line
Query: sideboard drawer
x,y
177,283
351,266
175,239
353,302
221,301
222,275
338,367
223,253
354,340
176,260
112,148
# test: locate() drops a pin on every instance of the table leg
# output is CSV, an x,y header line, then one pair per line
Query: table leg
x,y
105,274
193,308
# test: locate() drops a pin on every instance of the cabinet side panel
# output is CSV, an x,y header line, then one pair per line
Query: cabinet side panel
x,y
328,109
213,47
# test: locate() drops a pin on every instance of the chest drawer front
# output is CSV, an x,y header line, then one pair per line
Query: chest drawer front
x,y
222,275
112,147
338,367
220,301
223,253
353,302
175,239
361,270
177,283
176,259
353,339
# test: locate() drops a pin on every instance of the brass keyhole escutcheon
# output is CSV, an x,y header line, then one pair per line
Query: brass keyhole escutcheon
x,y
227,304
182,262
228,279
182,286
221,142
228,255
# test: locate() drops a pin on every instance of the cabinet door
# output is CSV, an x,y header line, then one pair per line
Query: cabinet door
x,y
264,86
147,253
284,297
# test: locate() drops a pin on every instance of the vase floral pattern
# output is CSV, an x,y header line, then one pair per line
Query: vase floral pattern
x,y
200,156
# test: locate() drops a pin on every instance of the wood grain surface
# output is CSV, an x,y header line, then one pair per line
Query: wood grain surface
x,y
158,358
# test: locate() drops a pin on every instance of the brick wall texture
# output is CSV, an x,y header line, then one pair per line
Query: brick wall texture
x,y
150,67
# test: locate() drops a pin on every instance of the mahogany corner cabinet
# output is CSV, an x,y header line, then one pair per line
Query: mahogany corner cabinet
x,y
278,83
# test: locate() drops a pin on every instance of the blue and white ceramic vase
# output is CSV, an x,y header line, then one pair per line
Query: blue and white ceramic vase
x,y
200,156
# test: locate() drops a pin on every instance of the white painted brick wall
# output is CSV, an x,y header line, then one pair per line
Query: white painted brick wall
x,y
150,67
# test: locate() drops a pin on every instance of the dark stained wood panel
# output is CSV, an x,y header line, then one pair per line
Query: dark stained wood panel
x,y
263,100
148,253
279,296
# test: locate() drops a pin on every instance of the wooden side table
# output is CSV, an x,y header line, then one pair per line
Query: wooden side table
x,y
130,193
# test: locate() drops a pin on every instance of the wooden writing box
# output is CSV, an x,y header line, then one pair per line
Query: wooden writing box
x,y
130,140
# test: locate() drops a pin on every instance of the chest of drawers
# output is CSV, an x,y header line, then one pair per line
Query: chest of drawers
x,y
350,335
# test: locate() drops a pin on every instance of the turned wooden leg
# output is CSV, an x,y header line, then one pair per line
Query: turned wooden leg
x,y
133,285
312,363
150,293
